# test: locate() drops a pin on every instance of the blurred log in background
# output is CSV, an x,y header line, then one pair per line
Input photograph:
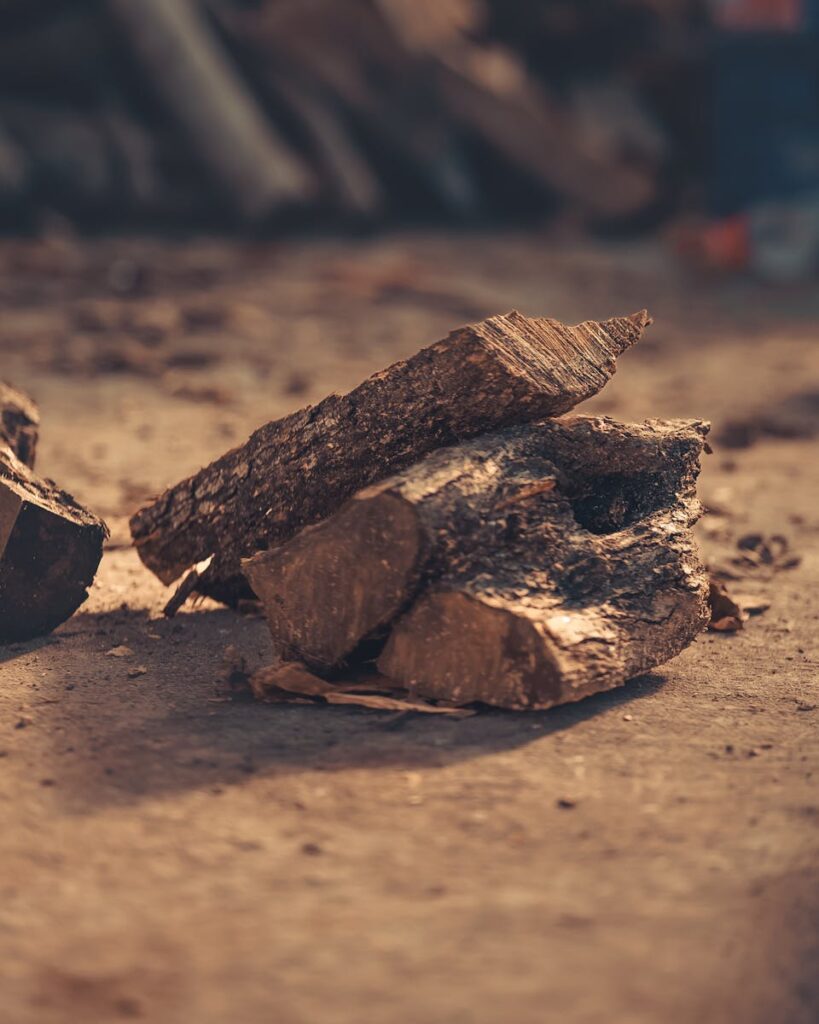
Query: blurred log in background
x,y
229,113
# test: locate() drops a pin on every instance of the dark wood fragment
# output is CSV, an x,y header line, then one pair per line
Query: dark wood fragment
x,y
19,423
50,547
297,470
342,583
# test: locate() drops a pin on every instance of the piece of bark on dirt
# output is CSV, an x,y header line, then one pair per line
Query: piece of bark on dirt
x,y
297,470
50,547
291,682
19,423
587,489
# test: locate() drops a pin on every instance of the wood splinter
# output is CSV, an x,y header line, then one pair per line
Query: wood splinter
x,y
522,569
300,469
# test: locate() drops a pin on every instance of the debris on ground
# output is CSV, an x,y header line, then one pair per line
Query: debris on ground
x,y
794,417
727,615
293,683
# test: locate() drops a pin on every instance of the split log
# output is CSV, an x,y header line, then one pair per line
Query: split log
x,y
572,486
257,169
560,612
298,470
50,547
19,423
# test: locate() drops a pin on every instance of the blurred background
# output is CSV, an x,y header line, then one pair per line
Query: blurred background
x,y
616,117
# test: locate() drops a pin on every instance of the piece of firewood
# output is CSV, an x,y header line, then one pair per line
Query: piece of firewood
x,y
297,470
187,66
559,612
19,423
345,580
50,547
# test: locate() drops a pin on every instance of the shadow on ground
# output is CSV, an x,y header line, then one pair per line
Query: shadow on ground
x,y
119,739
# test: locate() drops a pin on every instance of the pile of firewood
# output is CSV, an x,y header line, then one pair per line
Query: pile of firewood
x,y
224,111
437,536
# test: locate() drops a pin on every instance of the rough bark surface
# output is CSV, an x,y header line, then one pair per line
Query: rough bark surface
x,y
300,469
50,547
589,591
575,486
19,423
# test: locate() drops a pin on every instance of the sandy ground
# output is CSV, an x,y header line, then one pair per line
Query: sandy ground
x,y
171,856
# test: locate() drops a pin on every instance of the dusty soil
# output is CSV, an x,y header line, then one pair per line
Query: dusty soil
x,y
650,855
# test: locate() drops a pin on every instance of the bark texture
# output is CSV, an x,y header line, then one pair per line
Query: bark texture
x,y
540,513
50,547
19,423
592,591
300,469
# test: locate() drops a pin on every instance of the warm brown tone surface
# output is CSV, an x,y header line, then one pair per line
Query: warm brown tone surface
x,y
296,470
647,856
524,568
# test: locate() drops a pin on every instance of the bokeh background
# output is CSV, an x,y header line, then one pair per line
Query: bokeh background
x,y
614,116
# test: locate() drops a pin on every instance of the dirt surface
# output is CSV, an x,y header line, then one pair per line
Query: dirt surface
x,y
649,855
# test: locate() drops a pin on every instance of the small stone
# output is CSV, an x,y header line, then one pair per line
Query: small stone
x,y
565,803
140,670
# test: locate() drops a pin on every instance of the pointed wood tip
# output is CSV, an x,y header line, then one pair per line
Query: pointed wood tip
x,y
626,331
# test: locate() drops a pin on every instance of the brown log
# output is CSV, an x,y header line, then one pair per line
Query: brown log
x,y
19,423
50,547
559,612
298,470
574,483
187,66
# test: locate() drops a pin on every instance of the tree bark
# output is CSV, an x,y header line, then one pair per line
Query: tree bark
x,y
513,633
50,547
19,423
298,470
561,612
572,485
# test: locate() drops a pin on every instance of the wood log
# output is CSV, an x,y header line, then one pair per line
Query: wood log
x,y
298,470
489,92
256,168
50,547
335,589
559,612
19,423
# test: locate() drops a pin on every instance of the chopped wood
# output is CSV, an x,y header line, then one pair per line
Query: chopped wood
x,y
298,470
50,547
587,489
187,66
559,612
19,423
